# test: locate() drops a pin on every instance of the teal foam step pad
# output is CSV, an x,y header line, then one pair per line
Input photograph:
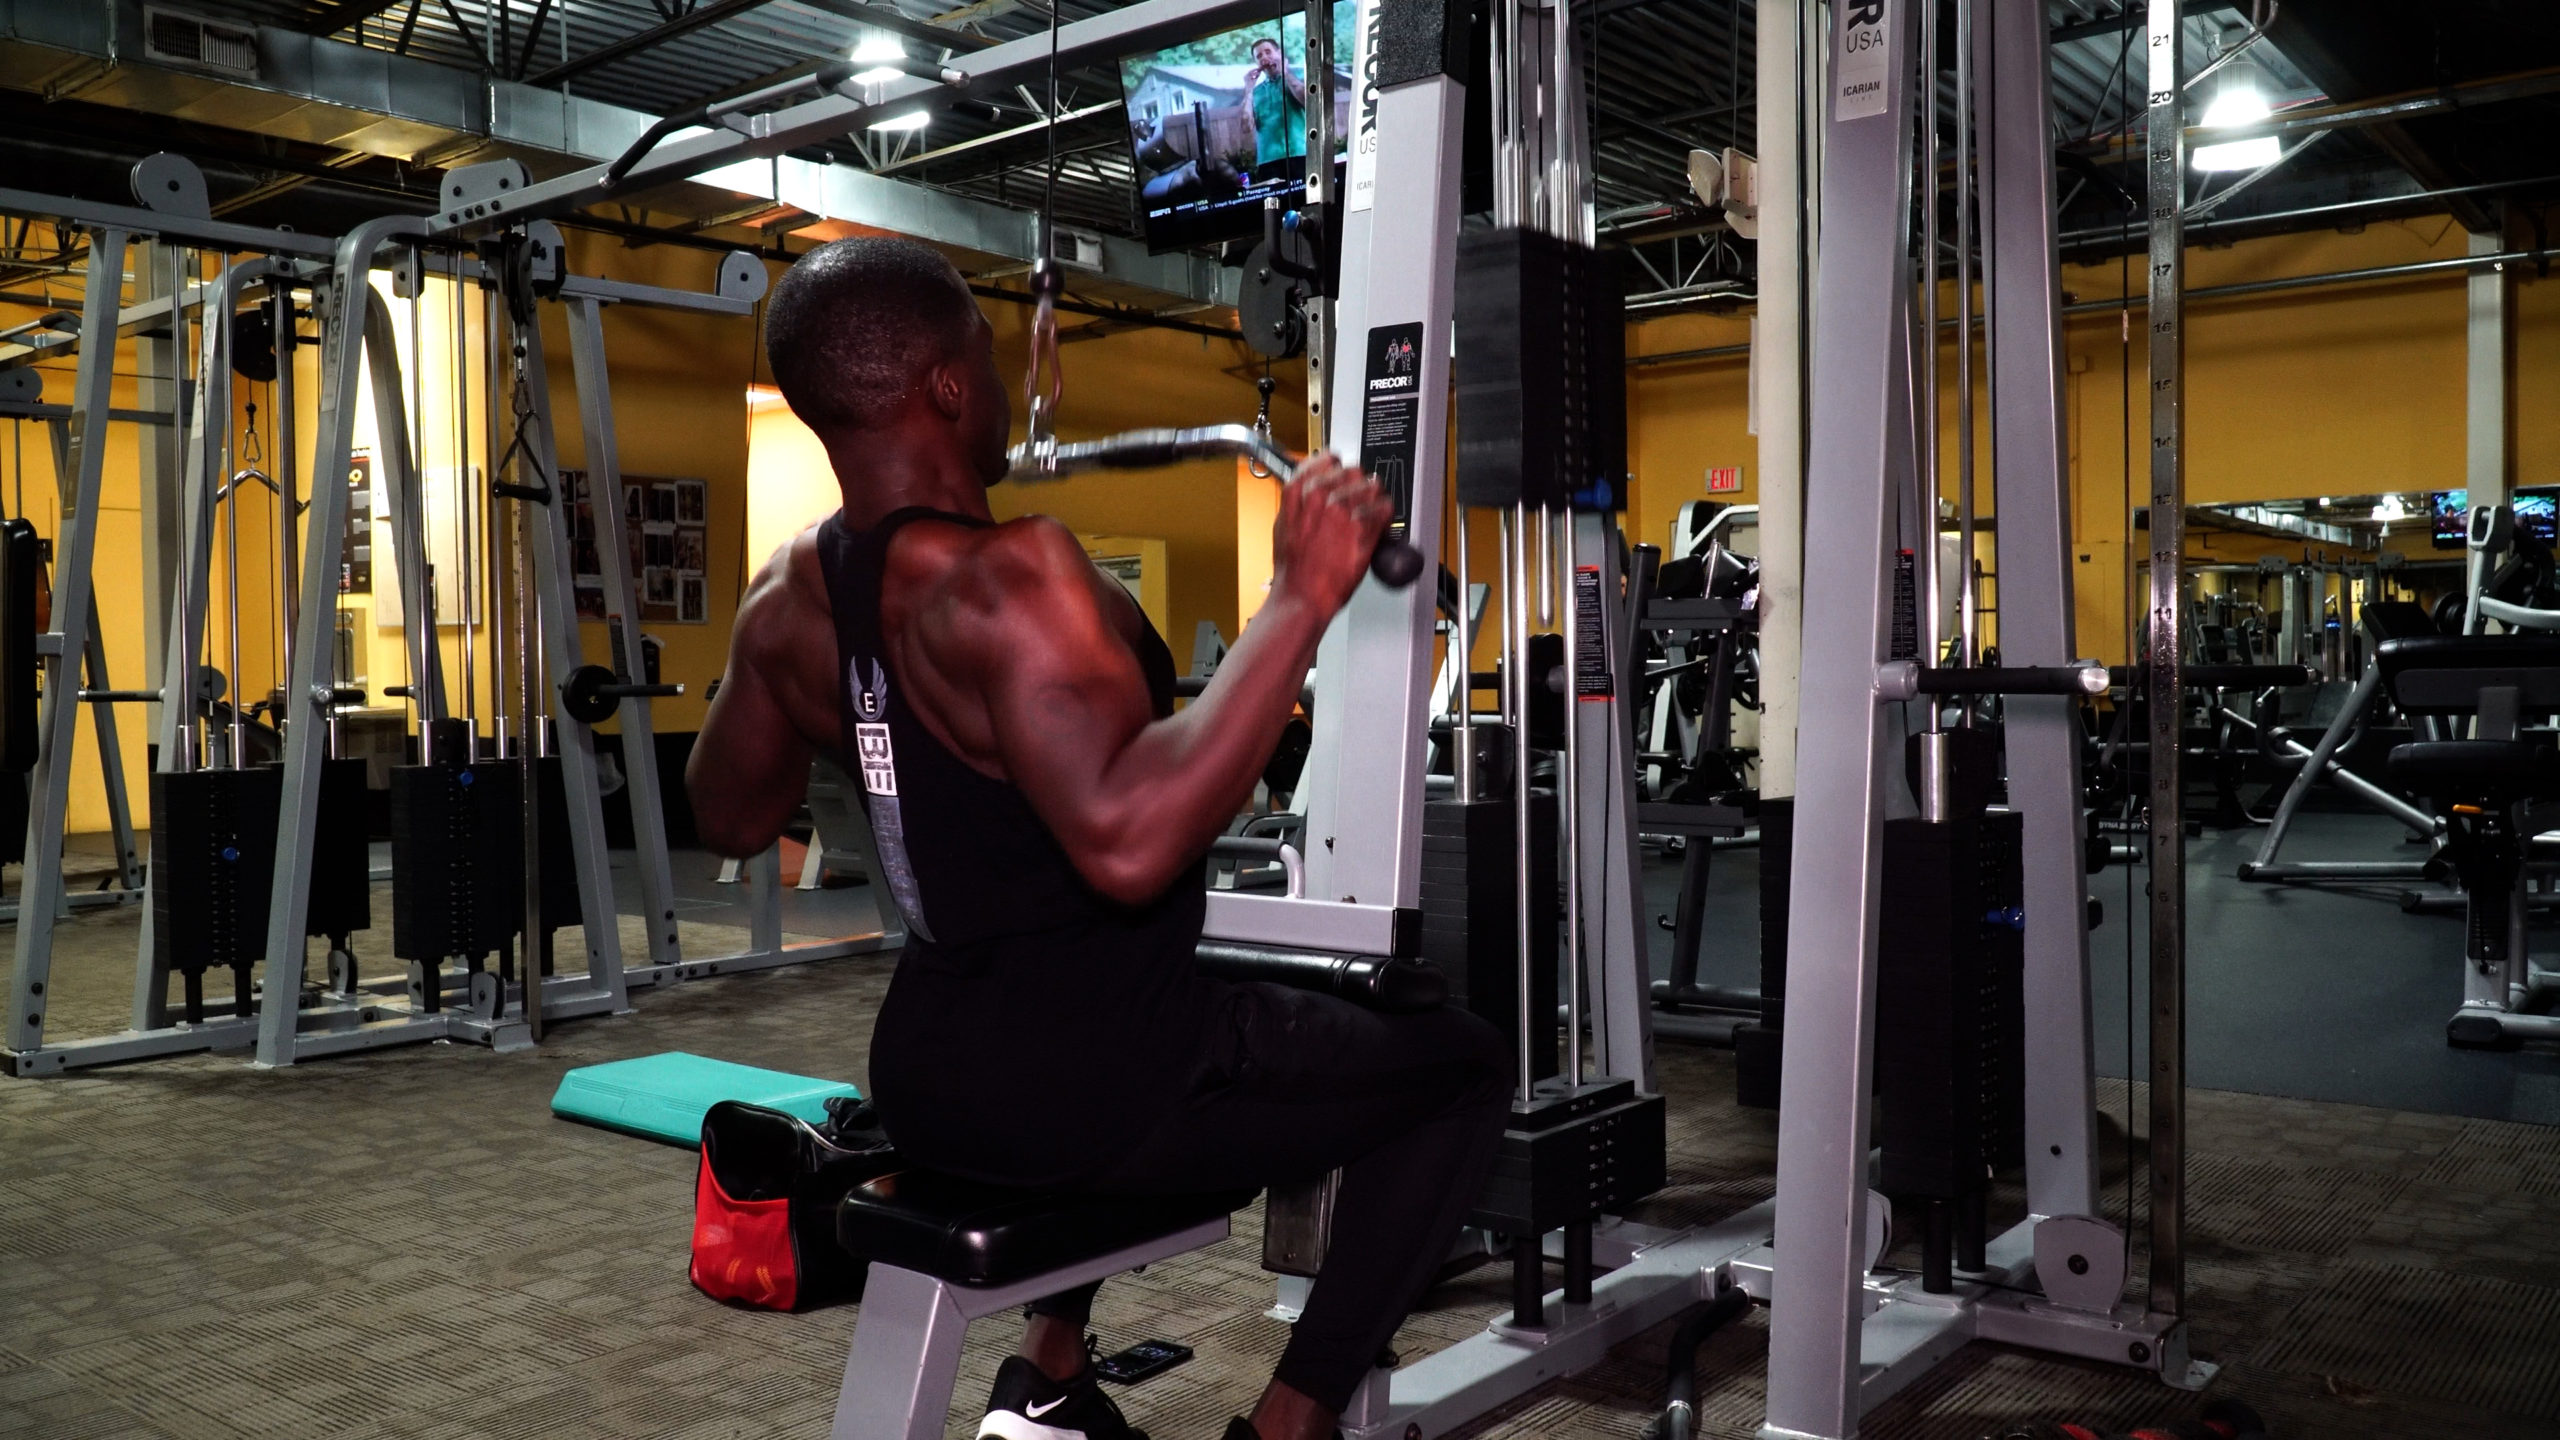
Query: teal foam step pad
x,y
665,1096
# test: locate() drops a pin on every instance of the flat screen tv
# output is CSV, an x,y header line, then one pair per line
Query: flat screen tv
x,y
1217,125
2537,514
2451,510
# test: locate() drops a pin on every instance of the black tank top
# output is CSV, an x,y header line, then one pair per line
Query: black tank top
x,y
1035,1029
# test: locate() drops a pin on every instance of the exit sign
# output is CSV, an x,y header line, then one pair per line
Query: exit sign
x,y
1724,479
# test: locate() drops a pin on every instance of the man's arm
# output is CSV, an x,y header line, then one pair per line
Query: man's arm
x,y
1133,799
1296,85
750,764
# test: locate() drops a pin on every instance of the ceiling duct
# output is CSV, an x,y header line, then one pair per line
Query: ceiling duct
x,y
174,37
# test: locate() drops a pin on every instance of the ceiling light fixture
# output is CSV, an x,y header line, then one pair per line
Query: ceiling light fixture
x,y
2240,99
912,120
881,51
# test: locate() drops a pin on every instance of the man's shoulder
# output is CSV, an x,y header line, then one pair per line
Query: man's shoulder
x,y
1032,550
1033,563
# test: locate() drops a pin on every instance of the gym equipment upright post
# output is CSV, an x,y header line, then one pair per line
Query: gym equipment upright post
x,y
49,785
1842,1339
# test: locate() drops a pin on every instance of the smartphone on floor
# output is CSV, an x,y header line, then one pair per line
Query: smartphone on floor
x,y
1141,1360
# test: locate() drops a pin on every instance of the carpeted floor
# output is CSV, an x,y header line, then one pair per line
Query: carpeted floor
x,y
406,1244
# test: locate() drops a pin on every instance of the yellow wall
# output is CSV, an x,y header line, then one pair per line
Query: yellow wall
x,y
2341,390
790,485
1148,377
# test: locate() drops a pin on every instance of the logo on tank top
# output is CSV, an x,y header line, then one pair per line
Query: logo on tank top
x,y
871,728
879,763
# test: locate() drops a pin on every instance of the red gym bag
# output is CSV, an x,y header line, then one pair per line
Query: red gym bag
x,y
764,1203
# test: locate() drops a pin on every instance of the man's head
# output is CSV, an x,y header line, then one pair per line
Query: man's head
x,y
1267,53
875,335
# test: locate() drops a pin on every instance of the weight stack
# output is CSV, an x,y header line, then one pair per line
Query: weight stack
x,y
13,817
1541,381
1574,1156
1471,919
1949,1007
560,906
2001,1006
1756,1044
213,862
341,854
457,860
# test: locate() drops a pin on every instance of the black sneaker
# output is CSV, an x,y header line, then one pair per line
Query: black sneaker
x,y
1028,1405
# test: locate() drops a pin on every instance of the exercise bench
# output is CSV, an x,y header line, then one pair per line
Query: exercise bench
x,y
2495,790
945,1251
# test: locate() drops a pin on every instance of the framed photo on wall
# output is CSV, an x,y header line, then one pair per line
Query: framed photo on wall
x,y
666,534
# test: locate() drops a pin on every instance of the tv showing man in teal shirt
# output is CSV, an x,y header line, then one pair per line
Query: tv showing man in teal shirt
x,y
1278,96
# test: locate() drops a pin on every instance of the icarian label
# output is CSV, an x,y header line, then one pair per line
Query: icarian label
x,y
1864,64
1362,181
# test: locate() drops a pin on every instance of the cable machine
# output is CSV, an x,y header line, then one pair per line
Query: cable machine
x,y
1984,980
257,856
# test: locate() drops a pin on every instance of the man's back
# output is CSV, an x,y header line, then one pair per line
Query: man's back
x,y
1041,813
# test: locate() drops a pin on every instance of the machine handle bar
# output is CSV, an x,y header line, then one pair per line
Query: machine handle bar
x,y
1396,563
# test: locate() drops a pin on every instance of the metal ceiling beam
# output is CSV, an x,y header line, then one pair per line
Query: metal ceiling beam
x,y
2129,18
344,14
962,147
883,17
649,39
2392,109
1147,24
2330,71
2078,246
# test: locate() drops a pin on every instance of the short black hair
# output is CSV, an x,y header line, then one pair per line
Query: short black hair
x,y
855,324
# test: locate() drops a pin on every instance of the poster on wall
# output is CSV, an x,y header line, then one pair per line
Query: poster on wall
x,y
667,540
586,552
355,546
445,496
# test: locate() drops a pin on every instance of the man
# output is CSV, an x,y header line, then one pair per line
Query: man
x,y
1042,817
1277,96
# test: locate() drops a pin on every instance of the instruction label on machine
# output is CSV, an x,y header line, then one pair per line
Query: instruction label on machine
x,y
1865,60
1591,680
1391,411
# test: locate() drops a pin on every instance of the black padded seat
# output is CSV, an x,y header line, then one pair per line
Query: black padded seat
x,y
2397,620
2444,674
2498,770
967,1233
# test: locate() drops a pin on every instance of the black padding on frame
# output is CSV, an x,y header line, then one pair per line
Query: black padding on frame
x,y
1417,39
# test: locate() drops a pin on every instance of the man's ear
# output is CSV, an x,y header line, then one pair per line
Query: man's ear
x,y
948,388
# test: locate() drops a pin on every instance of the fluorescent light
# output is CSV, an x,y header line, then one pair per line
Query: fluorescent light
x,y
912,120
2239,99
877,75
878,46
2255,154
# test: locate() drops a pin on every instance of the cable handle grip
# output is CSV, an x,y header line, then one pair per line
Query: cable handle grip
x,y
1395,563
1909,679
591,693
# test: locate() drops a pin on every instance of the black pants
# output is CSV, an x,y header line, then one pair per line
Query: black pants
x,y
1408,1107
